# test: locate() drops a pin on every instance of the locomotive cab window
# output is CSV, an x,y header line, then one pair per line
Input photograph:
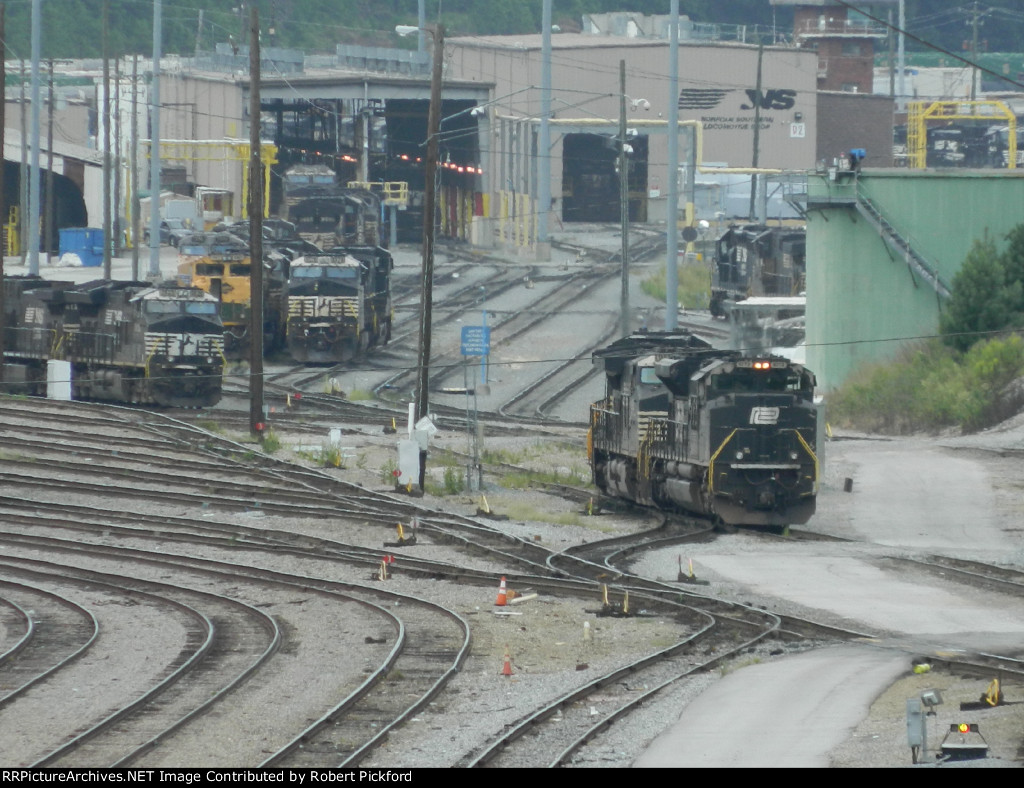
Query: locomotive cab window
x,y
320,272
178,307
648,377
162,307
755,381
201,308
209,269
242,269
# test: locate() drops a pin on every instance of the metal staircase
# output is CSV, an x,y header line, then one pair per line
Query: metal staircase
x,y
901,245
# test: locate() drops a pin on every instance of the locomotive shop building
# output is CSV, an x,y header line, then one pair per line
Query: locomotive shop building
x,y
363,112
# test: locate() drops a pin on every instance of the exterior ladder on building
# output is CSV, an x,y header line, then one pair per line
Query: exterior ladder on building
x,y
901,245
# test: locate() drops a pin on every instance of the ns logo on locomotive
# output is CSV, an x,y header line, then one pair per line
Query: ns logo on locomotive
x,y
688,427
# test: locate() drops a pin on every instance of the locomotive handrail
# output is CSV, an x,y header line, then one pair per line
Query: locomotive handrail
x,y
807,447
711,462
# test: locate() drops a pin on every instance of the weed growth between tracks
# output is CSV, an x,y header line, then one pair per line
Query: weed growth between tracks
x,y
694,291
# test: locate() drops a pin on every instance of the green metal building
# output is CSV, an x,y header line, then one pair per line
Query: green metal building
x,y
883,247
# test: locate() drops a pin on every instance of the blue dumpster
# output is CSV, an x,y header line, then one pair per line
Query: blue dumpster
x,y
86,242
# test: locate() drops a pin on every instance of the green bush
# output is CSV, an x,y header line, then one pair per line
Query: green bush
x,y
931,387
387,471
270,442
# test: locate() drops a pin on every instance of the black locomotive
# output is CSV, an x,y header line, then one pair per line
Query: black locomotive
x,y
338,304
123,341
757,260
685,426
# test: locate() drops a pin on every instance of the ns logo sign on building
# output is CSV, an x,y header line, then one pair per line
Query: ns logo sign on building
x,y
734,110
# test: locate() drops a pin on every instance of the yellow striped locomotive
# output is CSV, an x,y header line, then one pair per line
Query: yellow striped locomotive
x,y
688,427
221,264
125,341
338,304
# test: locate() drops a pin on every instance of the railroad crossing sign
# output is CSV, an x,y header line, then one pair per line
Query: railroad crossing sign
x,y
476,340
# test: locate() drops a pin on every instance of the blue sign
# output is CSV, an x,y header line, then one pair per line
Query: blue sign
x,y
476,340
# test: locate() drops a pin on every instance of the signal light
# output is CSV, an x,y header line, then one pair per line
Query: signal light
x,y
259,426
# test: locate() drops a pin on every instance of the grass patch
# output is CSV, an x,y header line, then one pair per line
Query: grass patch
x,y
325,457
518,510
734,666
453,480
522,480
271,442
539,450
389,471
694,290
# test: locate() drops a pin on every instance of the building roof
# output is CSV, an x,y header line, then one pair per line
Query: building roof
x,y
832,3
534,41
558,41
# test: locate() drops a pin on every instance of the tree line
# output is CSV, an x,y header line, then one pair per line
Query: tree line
x,y
74,28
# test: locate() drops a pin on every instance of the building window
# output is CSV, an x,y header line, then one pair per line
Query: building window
x,y
850,87
852,49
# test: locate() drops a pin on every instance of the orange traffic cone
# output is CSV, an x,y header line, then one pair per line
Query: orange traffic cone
x,y
506,669
502,594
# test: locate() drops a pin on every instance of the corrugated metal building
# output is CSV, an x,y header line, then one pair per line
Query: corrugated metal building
x,y
883,247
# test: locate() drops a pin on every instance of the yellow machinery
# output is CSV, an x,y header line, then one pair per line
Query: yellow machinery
x,y
920,112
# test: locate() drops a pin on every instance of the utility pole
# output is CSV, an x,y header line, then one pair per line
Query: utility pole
x,y
23,180
975,23
117,157
154,146
672,181
48,223
3,202
136,202
422,405
757,132
33,178
623,202
544,143
199,33
256,414
901,89
108,274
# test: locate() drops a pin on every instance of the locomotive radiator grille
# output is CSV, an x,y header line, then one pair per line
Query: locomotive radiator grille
x,y
323,306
